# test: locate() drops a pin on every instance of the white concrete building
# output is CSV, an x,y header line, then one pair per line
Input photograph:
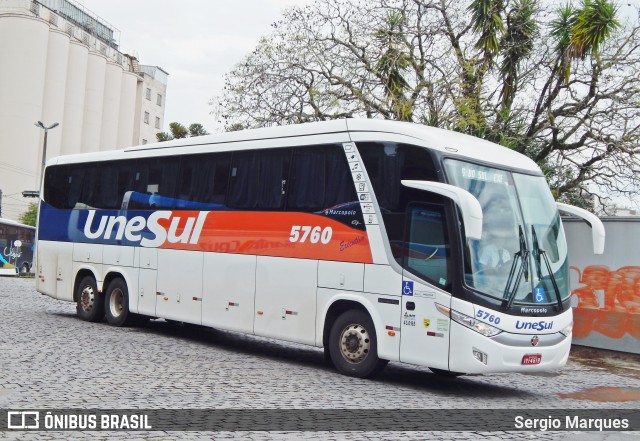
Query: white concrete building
x,y
150,100
62,65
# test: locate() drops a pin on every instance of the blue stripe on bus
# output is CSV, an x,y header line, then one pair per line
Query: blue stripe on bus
x,y
68,225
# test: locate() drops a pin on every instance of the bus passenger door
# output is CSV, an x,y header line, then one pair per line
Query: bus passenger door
x,y
426,279
148,264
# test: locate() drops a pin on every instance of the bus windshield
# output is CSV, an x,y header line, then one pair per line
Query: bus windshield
x,y
522,252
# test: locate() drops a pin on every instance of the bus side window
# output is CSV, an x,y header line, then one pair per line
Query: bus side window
x,y
320,179
115,178
426,244
307,180
85,182
339,188
156,177
204,178
258,179
220,179
58,177
76,183
387,164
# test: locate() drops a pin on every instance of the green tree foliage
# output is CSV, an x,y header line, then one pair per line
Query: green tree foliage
x,y
30,216
197,129
392,62
163,136
559,84
178,131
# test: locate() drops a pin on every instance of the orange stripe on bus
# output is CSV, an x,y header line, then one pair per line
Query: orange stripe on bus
x,y
268,234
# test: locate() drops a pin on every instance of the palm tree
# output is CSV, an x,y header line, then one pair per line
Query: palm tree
x,y
391,64
591,26
197,129
516,45
581,32
561,32
486,19
178,131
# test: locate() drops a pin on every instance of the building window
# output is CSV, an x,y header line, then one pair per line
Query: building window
x,y
159,100
146,117
157,122
148,94
144,141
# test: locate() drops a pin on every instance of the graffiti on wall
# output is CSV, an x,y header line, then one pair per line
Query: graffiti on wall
x,y
607,301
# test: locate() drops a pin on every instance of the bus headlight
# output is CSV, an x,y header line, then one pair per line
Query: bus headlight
x,y
471,323
567,330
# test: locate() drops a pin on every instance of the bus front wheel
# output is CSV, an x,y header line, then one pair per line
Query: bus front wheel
x,y
90,302
116,304
353,345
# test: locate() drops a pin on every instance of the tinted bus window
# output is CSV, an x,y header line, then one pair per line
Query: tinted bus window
x,y
320,179
56,186
204,178
258,179
107,183
426,246
389,163
155,182
411,231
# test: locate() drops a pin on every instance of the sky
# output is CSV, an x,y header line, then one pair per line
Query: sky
x,y
195,41
198,41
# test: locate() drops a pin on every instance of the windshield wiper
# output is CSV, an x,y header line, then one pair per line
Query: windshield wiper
x,y
520,256
538,252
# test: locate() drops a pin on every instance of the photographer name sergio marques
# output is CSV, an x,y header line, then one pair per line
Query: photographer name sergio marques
x,y
84,421
571,422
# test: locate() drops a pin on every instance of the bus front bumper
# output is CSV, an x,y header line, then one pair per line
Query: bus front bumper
x,y
471,352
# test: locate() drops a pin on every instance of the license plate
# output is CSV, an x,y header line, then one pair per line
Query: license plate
x,y
532,359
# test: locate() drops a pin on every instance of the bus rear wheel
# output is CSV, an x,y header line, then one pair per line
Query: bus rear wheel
x,y
116,305
353,345
90,302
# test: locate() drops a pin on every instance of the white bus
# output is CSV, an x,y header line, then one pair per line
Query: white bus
x,y
374,240
17,242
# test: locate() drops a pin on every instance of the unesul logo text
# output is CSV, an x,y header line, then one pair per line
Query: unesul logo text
x,y
118,227
535,326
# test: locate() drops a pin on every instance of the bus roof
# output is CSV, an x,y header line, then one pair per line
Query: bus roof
x,y
12,223
454,143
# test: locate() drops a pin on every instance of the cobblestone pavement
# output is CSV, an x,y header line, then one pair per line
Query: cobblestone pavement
x,y
51,359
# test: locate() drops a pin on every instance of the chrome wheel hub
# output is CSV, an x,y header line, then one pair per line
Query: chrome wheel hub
x,y
116,301
355,343
87,298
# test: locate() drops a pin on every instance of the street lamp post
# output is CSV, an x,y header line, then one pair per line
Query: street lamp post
x,y
44,147
46,129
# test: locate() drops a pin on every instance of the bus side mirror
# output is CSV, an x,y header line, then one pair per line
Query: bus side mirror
x,y
466,202
597,228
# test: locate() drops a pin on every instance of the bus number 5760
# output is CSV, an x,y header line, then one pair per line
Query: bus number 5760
x,y
314,234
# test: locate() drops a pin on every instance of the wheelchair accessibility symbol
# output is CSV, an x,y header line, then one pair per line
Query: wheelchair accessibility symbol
x,y
407,288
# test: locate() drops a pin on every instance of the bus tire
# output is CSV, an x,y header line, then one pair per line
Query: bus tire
x,y
90,302
24,269
353,345
116,304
